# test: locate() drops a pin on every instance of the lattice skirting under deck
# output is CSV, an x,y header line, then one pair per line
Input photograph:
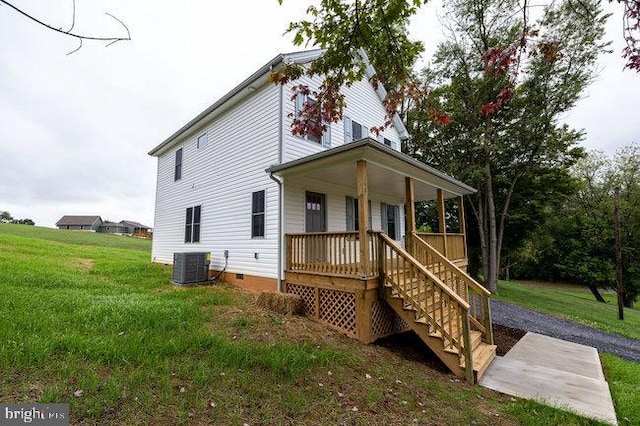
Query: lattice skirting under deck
x,y
339,310
384,321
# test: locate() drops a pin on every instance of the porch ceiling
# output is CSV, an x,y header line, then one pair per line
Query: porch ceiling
x,y
387,170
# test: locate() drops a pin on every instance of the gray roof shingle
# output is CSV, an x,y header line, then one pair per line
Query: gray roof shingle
x,y
77,220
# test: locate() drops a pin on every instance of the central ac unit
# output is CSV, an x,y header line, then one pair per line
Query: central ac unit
x,y
190,268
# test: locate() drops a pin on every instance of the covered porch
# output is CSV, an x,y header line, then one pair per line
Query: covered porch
x,y
351,247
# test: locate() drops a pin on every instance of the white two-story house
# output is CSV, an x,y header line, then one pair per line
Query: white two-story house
x,y
318,217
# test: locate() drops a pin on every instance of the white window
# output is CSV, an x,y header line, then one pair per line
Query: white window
x,y
354,130
202,141
325,140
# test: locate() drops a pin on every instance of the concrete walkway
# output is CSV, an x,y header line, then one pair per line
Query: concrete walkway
x,y
554,372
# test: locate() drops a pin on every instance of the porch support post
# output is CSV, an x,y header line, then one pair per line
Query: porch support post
x,y
410,210
442,225
463,226
363,215
410,206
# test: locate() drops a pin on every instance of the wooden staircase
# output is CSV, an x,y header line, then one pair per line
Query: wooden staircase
x,y
445,307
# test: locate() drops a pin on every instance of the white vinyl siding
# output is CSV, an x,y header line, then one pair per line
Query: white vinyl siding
x,y
336,206
363,106
241,142
221,178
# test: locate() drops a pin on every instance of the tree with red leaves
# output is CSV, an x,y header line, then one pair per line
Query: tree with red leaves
x,y
505,93
631,28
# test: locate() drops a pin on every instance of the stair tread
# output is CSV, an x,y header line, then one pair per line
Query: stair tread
x,y
434,324
482,354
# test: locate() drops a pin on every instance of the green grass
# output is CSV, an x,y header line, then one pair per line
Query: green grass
x,y
89,312
624,382
575,304
77,237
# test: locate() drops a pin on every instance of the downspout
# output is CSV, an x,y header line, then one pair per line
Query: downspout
x,y
280,186
280,195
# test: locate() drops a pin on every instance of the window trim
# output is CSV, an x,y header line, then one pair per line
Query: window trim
x,y
191,236
256,213
351,213
384,218
349,124
203,137
325,139
177,172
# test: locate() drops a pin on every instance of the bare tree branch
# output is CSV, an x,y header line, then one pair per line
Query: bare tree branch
x,y
68,32
73,22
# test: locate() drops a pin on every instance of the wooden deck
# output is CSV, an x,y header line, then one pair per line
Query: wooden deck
x,y
395,290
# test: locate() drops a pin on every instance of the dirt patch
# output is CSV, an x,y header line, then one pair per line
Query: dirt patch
x,y
408,346
83,265
506,338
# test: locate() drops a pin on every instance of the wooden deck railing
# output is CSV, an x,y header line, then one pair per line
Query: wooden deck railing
x,y
459,281
331,253
442,309
451,245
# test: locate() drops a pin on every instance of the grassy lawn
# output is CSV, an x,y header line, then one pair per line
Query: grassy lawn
x,y
87,319
578,304
574,303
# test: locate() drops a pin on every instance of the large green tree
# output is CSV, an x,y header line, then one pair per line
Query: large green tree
x,y
504,88
576,241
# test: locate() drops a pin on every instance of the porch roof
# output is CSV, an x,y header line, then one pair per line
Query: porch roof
x,y
386,172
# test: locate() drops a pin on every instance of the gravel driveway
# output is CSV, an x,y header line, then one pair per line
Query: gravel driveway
x,y
510,315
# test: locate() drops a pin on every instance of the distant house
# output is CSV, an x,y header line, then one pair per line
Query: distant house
x,y
136,228
113,228
129,227
96,224
80,223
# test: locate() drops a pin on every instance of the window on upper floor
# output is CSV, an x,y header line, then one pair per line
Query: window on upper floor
x,y
257,214
383,140
354,130
177,174
202,141
325,139
192,224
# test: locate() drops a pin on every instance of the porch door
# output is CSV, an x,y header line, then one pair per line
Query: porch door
x,y
315,221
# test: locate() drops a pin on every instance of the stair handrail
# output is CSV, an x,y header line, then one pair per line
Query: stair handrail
x,y
391,243
479,288
469,281
465,346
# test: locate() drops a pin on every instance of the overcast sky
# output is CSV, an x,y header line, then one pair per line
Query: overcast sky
x,y
75,130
